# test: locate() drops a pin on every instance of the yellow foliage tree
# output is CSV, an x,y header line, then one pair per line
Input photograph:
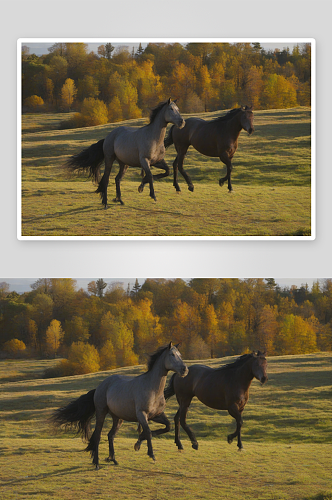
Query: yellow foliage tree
x,y
82,358
14,347
34,102
278,92
93,112
115,110
68,93
54,335
107,356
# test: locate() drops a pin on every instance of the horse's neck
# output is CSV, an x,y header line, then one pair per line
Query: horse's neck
x,y
234,124
157,377
245,375
158,127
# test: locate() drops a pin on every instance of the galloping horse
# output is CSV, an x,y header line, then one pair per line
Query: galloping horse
x,y
130,146
217,138
224,388
134,399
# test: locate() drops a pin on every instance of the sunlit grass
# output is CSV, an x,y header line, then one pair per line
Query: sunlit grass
x,y
271,181
286,434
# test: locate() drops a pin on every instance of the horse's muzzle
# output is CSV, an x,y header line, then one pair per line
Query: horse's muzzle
x,y
251,130
182,124
184,371
263,380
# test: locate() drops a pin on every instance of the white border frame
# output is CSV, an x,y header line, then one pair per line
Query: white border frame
x,y
312,41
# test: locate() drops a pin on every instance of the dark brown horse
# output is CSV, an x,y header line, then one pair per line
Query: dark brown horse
x,y
225,388
217,138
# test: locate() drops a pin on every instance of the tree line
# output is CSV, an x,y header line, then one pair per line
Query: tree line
x,y
107,326
118,83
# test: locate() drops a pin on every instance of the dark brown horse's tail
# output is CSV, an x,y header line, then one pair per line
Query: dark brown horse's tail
x,y
77,415
169,139
89,160
169,391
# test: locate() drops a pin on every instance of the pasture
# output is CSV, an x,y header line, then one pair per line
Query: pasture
x,y
271,181
287,437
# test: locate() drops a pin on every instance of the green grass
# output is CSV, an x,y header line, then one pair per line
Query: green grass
x,y
287,435
271,181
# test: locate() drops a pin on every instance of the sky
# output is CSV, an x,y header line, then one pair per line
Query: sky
x,y
40,48
21,285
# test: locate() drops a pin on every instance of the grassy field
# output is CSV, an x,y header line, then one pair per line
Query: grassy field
x,y
287,435
271,181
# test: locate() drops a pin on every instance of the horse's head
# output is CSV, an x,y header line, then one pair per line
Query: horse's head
x,y
259,366
172,114
247,119
173,361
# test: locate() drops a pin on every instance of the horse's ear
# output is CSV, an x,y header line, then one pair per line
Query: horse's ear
x,y
169,101
175,101
177,345
170,345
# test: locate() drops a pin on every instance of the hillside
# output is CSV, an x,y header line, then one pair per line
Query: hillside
x,y
287,435
271,181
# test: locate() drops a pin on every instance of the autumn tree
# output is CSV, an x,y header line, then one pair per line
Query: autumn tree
x,y
54,335
14,347
34,102
82,358
68,93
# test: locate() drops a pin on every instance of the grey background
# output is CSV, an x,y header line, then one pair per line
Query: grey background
x,y
151,18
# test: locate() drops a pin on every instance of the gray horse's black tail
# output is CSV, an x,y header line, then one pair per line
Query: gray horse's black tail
x,y
89,160
169,139
77,415
169,391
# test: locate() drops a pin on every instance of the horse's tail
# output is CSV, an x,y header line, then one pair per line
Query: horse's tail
x,y
169,391
88,160
169,139
77,415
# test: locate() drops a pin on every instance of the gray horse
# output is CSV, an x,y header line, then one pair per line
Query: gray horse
x,y
134,399
130,146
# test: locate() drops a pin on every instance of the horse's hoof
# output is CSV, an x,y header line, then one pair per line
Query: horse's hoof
x,y
153,457
240,449
97,467
221,183
140,188
229,439
195,446
154,198
105,207
230,190
115,462
137,446
191,188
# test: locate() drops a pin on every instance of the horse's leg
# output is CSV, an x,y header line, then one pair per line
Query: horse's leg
x,y
162,165
184,174
146,167
102,187
183,415
177,430
227,161
111,435
118,179
160,419
95,437
143,420
175,175
235,413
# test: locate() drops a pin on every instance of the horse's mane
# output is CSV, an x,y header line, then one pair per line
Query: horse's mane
x,y
228,115
156,110
155,356
237,363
